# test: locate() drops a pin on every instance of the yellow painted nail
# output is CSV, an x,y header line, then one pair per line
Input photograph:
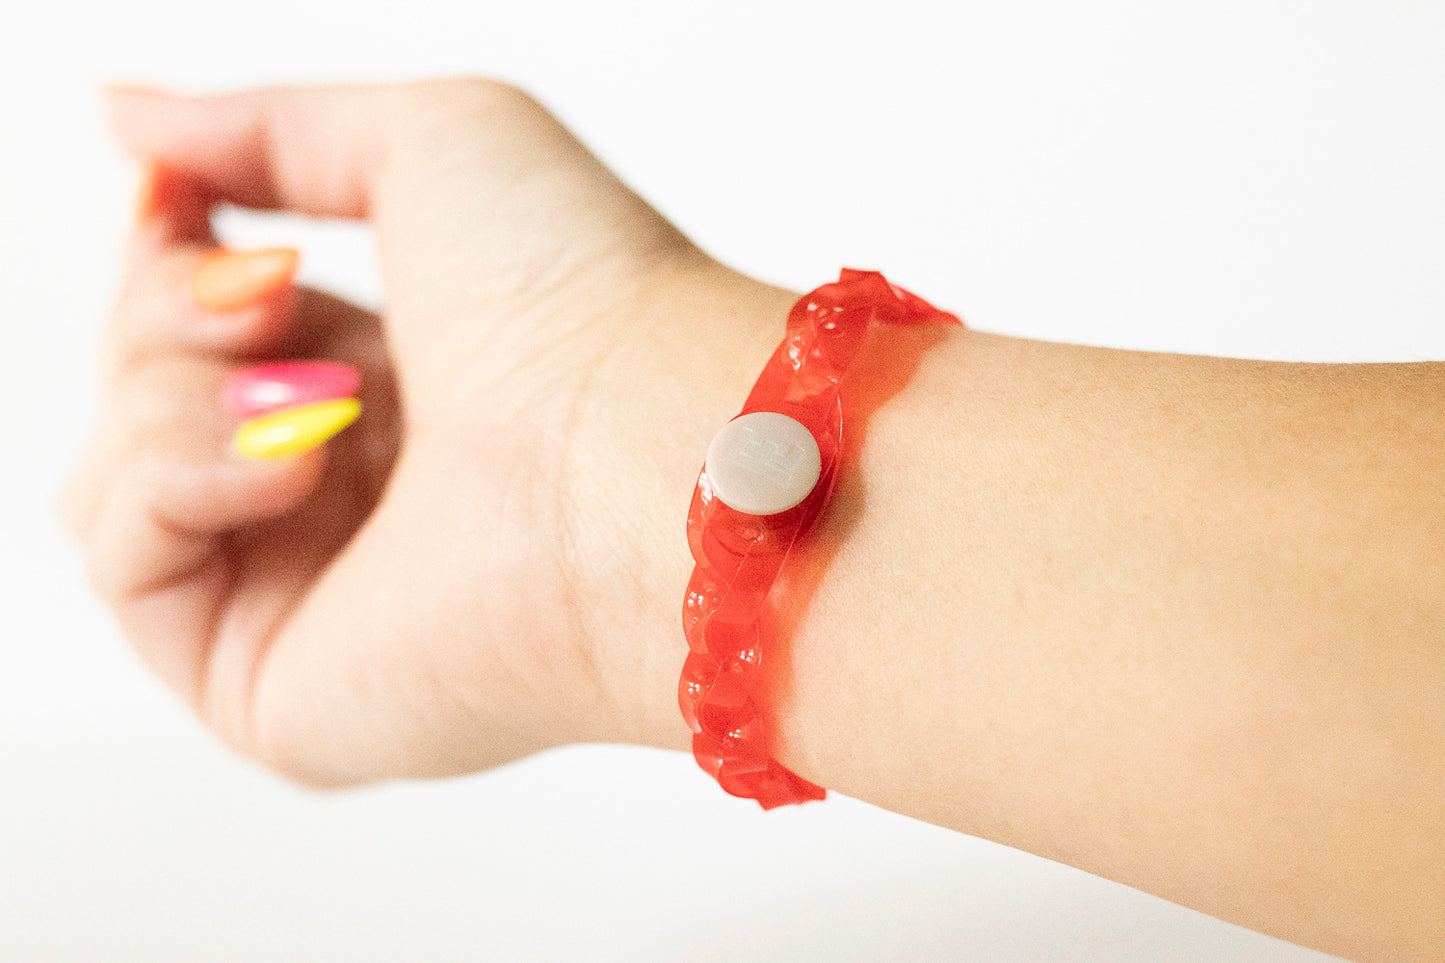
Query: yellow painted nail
x,y
292,431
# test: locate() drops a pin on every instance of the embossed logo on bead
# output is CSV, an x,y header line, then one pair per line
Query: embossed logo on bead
x,y
763,463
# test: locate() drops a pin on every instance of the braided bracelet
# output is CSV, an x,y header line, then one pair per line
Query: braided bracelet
x,y
767,477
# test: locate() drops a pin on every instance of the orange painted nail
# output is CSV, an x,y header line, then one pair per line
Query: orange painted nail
x,y
230,280
156,185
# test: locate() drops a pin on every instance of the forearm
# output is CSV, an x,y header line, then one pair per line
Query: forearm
x,y
1177,621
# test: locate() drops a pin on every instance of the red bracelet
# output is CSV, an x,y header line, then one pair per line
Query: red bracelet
x,y
768,475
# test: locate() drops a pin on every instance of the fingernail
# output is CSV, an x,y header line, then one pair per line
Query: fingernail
x,y
229,280
294,430
264,388
164,189
150,195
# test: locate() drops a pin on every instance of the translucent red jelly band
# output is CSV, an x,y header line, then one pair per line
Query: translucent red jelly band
x,y
726,614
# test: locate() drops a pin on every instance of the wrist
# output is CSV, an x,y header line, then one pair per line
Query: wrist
x,y
680,368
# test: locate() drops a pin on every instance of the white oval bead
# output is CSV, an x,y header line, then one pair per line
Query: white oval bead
x,y
763,463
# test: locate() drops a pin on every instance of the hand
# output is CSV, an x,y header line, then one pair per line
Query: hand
x,y
490,561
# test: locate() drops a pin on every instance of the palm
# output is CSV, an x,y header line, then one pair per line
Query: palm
x,y
386,664
469,484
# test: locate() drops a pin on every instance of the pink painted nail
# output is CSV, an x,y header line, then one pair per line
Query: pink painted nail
x,y
268,387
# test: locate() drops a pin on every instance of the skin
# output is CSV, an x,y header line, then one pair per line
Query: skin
x,y
1175,620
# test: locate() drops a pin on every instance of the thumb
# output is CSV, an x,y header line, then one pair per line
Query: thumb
x,y
470,169
312,150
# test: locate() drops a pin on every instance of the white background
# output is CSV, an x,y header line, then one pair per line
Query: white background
x,y
1239,177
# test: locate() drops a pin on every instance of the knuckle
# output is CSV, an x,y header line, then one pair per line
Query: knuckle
x,y
153,301
281,754
141,408
162,396
106,573
104,579
109,552
458,98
